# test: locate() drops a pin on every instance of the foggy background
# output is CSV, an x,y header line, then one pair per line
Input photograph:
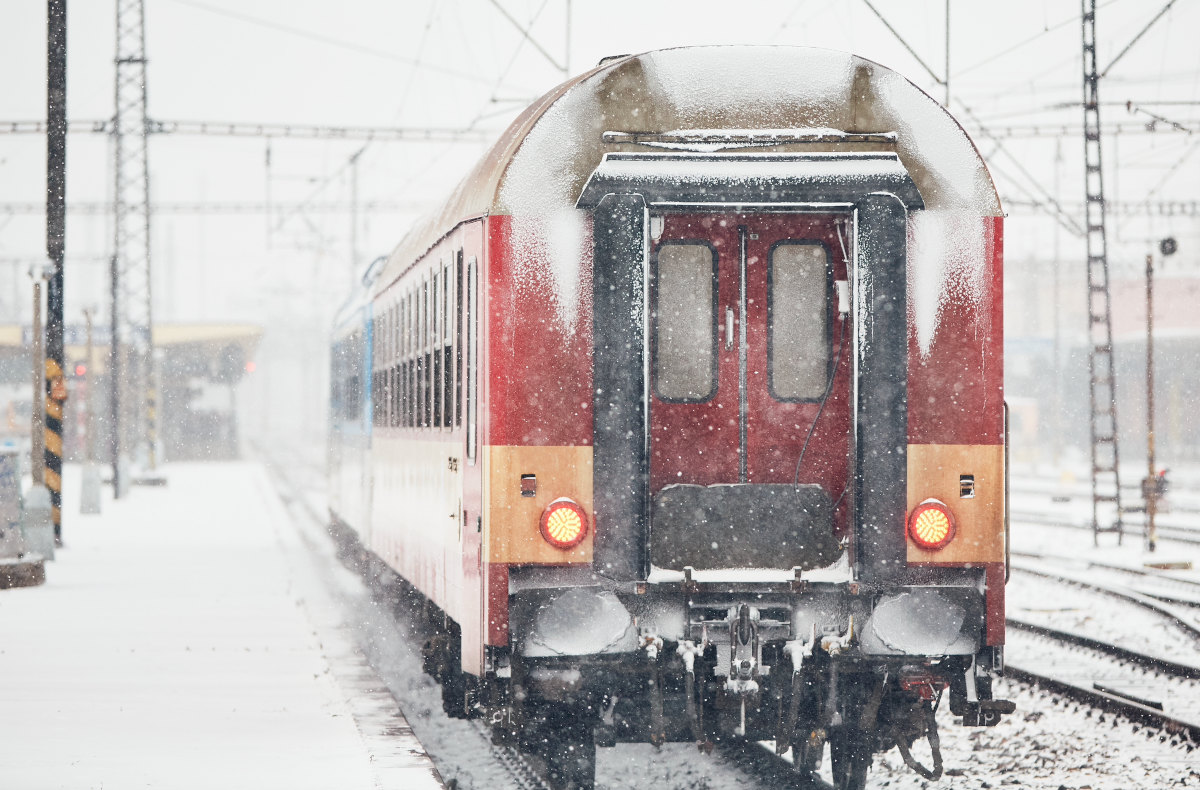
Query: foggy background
x,y
270,231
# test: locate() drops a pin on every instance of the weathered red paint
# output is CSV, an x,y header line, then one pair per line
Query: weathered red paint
x,y
539,367
496,609
956,391
994,602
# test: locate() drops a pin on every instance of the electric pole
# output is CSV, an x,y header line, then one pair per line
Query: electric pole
x,y
56,216
132,362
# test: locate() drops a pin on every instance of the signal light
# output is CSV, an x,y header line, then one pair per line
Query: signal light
x,y
81,369
564,524
931,525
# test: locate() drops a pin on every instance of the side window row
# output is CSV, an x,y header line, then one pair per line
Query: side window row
x,y
346,376
420,342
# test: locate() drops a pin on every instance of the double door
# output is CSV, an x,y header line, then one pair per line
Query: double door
x,y
749,354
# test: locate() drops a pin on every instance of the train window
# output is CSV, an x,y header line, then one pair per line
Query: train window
x,y
411,418
385,343
430,377
398,395
401,367
447,349
395,335
798,320
385,374
685,322
409,399
422,361
435,350
458,340
394,419
418,351
374,398
472,376
403,352
374,373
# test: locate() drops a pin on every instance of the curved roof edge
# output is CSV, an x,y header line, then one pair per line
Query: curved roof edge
x,y
539,164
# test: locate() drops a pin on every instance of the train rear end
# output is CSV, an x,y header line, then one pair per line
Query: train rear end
x,y
794,521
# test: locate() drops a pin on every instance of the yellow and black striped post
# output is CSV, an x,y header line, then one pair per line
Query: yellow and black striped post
x,y
56,395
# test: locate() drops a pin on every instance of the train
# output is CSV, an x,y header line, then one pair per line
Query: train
x,y
683,416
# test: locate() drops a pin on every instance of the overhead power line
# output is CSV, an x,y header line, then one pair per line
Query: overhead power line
x,y
331,41
1158,208
1051,130
96,208
282,130
1137,38
527,35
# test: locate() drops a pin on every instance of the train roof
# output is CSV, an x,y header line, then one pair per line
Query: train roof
x,y
713,99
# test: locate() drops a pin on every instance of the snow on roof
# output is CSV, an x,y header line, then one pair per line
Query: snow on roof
x,y
536,170
817,178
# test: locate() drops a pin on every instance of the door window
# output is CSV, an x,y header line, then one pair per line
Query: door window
x,y
685,322
799,321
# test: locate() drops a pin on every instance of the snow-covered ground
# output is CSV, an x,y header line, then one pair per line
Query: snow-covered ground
x,y
203,635
184,639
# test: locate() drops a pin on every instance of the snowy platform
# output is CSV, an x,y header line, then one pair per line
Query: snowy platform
x,y
188,638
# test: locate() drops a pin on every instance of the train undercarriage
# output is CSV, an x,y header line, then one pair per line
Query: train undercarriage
x,y
749,675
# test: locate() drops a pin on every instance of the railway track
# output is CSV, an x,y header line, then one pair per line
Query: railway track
x,y
1139,659
523,774
1167,532
1162,584
1055,601
758,766
1144,690
295,479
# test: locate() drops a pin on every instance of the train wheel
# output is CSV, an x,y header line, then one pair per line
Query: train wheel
x,y
571,761
454,695
566,746
850,758
806,753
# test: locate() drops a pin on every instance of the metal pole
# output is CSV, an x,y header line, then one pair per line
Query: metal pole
x,y
947,103
89,376
1151,492
270,232
56,215
37,436
1056,425
114,378
354,211
89,489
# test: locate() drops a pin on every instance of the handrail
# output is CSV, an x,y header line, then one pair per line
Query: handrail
x,y
1007,530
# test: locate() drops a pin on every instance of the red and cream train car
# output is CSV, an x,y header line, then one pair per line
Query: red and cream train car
x,y
685,411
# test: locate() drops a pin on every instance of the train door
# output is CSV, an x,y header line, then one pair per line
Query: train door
x,y
748,367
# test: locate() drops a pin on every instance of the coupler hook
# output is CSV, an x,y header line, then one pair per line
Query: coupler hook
x,y
797,651
935,746
688,651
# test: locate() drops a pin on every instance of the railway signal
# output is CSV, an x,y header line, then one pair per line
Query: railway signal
x,y
1154,485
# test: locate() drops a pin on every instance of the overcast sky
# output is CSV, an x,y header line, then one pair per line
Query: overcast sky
x,y
465,64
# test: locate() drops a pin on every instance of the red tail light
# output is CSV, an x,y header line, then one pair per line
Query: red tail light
x,y
564,524
931,525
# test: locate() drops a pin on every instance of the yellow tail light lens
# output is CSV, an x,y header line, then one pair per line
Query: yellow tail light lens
x,y
564,524
931,525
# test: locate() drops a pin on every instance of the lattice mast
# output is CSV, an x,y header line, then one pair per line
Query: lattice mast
x,y
134,407
1106,480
